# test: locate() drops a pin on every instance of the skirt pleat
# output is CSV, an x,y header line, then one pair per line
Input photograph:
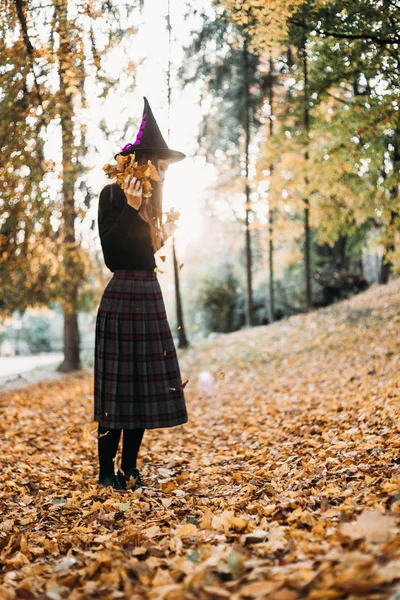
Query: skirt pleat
x,y
137,379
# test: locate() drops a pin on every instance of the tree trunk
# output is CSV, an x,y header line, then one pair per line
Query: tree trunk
x,y
271,267
307,235
71,360
169,70
249,311
270,204
71,344
183,342
386,264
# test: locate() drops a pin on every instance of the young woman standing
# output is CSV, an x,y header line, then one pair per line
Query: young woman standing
x,y
137,380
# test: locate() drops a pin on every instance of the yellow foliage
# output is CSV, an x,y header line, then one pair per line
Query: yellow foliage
x,y
265,20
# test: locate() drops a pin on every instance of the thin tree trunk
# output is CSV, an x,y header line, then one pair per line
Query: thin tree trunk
x,y
389,247
306,116
386,264
71,360
249,311
271,207
169,70
19,4
182,340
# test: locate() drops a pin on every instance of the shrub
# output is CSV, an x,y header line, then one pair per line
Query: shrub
x,y
217,300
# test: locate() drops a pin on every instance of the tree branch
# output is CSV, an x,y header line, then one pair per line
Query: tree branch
x,y
347,36
19,4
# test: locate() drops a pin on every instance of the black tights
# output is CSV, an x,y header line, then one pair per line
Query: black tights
x,y
108,446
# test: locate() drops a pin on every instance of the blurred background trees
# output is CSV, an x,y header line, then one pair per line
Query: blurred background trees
x,y
49,52
299,112
324,163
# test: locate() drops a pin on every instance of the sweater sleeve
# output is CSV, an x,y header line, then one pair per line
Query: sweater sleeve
x,y
116,216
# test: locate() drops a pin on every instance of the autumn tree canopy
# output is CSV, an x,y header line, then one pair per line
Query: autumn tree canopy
x,y
325,131
49,51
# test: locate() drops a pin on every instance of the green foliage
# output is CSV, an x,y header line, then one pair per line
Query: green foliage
x,y
37,333
352,99
87,359
220,58
336,133
288,297
217,298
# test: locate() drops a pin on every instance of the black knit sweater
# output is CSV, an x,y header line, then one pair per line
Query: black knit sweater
x,y
124,235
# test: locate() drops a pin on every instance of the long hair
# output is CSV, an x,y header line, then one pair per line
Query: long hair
x,y
151,209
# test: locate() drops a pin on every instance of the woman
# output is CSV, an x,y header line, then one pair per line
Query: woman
x,y
137,380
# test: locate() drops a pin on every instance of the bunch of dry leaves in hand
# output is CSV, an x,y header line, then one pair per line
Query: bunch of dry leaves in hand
x,y
128,165
283,485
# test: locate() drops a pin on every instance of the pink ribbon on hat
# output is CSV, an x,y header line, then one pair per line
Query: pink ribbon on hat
x,y
127,147
140,132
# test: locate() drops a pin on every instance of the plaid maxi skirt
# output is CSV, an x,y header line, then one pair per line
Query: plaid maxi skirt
x,y
136,372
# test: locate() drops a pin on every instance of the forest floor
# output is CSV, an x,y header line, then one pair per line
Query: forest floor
x,y
283,485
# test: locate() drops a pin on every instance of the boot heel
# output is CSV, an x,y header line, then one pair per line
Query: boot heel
x,y
125,479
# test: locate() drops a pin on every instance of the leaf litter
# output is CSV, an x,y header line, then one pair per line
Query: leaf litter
x,y
284,484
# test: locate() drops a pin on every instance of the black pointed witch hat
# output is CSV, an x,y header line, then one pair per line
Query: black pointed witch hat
x,y
150,139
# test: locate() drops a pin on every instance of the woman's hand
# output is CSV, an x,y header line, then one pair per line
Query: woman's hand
x,y
133,191
172,216
170,222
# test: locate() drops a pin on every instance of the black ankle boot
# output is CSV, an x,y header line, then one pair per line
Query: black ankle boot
x,y
125,479
111,481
